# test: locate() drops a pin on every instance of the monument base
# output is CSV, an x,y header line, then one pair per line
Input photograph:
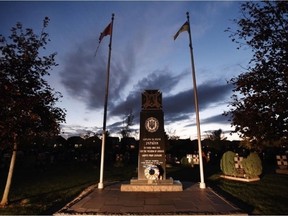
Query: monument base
x,y
282,171
167,185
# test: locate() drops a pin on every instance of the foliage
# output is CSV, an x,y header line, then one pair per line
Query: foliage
x,y
227,163
259,103
252,165
27,100
127,123
216,135
185,162
171,134
215,140
43,192
265,197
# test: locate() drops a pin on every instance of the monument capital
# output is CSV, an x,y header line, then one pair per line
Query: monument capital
x,y
151,100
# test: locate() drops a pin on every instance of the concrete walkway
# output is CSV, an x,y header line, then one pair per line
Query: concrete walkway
x,y
111,201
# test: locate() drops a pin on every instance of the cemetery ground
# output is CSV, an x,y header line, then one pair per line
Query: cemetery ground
x,y
45,190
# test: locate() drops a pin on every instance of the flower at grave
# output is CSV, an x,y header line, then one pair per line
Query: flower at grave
x,y
152,172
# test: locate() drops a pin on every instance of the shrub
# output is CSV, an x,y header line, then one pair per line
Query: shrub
x,y
185,162
227,163
252,165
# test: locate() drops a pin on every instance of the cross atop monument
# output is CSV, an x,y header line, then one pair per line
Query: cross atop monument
x,y
151,100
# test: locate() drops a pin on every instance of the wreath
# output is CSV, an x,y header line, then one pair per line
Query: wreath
x,y
152,172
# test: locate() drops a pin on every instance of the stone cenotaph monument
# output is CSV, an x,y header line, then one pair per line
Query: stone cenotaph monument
x,y
151,156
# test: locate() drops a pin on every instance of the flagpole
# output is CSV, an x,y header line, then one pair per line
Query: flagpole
x,y
100,184
202,183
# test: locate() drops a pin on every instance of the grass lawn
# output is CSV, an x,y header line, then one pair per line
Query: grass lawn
x,y
37,191
267,196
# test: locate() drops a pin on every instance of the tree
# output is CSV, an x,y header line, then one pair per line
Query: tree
x,y
127,123
216,140
216,135
252,165
227,163
259,104
27,101
172,134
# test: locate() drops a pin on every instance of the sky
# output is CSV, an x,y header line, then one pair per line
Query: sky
x,y
144,56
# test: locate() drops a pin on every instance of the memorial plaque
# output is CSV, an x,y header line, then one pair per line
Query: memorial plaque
x,y
151,161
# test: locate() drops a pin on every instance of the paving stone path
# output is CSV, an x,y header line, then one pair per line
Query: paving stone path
x,y
111,201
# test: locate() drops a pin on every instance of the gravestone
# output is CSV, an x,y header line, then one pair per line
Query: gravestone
x,y
151,156
282,164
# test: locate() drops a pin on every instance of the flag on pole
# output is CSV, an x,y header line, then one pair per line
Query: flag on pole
x,y
107,31
184,27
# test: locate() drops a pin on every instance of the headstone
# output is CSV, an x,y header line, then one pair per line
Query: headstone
x,y
189,157
282,161
238,162
195,158
238,165
151,156
282,164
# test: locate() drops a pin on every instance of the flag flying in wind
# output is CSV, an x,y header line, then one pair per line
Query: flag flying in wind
x,y
184,27
107,31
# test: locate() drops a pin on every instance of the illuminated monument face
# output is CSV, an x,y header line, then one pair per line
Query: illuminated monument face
x,y
151,161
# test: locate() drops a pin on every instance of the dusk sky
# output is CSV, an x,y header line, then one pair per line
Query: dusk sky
x,y
144,56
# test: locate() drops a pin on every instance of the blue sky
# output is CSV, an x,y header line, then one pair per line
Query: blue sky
x,y
144,56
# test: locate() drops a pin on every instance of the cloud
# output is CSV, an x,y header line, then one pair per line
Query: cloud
x,y
220,119
77,130
158,79
177,107
180,106
84,75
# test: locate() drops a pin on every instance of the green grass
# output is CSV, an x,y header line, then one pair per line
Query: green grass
x,y
35,191
267,196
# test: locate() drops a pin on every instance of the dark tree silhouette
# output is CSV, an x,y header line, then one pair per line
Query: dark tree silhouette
x,y
27,101
127,123
258,108
216,135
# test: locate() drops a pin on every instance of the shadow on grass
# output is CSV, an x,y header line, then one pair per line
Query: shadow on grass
x,y
41,195
230,198
57,198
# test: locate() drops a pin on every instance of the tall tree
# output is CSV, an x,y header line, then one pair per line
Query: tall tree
x,y
27,101
259,104
216,140
127,123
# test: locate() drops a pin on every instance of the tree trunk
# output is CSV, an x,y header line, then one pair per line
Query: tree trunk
x,y
4,200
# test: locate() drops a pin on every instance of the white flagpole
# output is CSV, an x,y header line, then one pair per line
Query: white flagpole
x,y
100,184
202,183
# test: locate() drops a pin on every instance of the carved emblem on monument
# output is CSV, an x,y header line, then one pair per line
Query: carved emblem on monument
x,y
151,124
